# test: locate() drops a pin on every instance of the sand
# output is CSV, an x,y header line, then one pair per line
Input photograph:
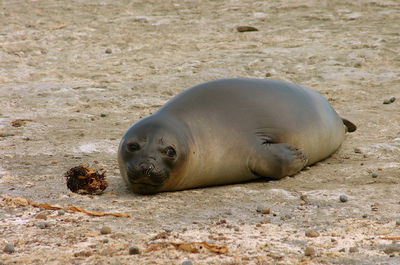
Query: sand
x,y
74,75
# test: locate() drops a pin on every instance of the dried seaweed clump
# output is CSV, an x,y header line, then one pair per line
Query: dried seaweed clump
x,y
82,179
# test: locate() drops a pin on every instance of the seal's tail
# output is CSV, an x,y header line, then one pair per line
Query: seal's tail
x,y
351,127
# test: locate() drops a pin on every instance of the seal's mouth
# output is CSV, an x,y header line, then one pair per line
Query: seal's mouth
x,y
146,182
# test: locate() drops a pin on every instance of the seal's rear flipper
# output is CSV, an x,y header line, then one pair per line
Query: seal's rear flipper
x,y
351,127
277,160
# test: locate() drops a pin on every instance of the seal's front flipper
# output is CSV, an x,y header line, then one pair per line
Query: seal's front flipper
x,y
276,160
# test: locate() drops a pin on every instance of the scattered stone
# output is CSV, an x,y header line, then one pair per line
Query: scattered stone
x,y
9,248
18,122
103,115
83,254
286,217
389,101
263,210
353,249
357,150
105,230
221,222
105,240
61,212
343,198
398,222
374,207
41,215
134,251
374,175
389,249
187,262
309,251
333,240
4,134
228,212
168,229
43,225
246,28
311,233
365,215
342,250
237,229
108,51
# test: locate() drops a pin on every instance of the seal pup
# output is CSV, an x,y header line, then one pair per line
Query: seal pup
x,y
229,131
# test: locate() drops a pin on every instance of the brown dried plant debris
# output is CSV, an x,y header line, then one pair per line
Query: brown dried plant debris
x,y
82,179
18,201
19,122
192,247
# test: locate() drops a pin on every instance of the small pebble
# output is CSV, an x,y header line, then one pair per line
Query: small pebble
x,y
374,175
41,215
389,249
365,215
61,212
105,240
105,230
353,249
263,210
43,225
134,251
237,229
398,222
187,262
9,248
103,115
342,250
310,251
168,229
343,198
357,150
389,101
108,50
311,233
333,240
246,28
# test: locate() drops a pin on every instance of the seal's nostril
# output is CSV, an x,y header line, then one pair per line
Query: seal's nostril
x,y
146,168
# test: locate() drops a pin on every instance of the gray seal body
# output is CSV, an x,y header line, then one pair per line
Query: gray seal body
x,y
230,131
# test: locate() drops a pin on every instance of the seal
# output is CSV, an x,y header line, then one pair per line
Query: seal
x,y
230,131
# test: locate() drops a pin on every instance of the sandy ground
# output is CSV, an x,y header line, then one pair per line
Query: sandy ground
x,y
79,73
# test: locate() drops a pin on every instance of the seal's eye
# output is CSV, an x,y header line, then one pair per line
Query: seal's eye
x,y
132,147
170,151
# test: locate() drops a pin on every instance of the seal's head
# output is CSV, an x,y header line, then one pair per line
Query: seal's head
x,y
151,155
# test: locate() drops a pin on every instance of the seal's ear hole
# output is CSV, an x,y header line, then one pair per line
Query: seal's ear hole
x,y
170,151
132,147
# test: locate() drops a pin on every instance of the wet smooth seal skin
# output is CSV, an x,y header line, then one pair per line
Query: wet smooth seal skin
x,y
229,131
